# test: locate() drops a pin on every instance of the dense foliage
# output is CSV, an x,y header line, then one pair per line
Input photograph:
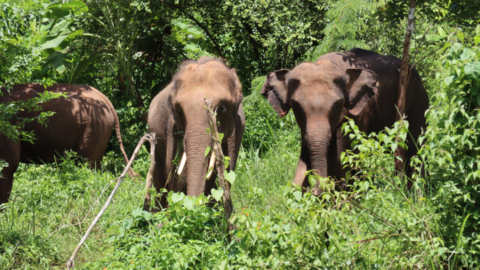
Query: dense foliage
x,y
129,50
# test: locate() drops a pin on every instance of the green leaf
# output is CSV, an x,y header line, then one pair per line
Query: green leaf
x,y
177,196
217,194
473,69
53,43
440,31
220,136
82,65
230,176
298,195
477,40
466,54
207,150
456,47
62,10
448,80
312,181
460,36
189,202
64,44
57,60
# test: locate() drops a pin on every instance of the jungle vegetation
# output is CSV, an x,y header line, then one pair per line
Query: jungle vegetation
x,y
130,49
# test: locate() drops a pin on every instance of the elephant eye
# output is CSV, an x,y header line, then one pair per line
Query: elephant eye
x,y
222,108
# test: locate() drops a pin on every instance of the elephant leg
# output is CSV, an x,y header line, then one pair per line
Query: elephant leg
x,y
235,141
10,153
417,123
159,182
302,167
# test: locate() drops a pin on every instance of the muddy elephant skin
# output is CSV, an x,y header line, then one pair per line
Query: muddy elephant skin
x,y
178,114
83,123
359,84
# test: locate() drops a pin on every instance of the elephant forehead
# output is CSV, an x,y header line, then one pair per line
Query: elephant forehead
x,y
196,93
322,71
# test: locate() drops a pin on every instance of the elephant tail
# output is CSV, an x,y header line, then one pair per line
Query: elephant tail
x,y
131,172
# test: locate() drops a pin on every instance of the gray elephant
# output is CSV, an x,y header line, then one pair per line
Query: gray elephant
x,y
359,84
83,122
178,113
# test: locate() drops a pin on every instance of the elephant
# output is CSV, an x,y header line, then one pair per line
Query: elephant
x,y
359,84
177,114
83,122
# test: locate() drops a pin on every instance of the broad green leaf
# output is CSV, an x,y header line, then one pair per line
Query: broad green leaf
x,y
60,27
53,43
230,176
64,44
456,47
217,194
189,202
477,40
473,69
177,196
57,60
440,31
62,10
448,80
466,54
298,195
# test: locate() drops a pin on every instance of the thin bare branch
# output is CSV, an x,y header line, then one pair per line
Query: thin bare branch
x,y
71,261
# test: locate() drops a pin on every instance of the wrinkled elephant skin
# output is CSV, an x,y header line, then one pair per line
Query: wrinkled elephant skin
x,y
83,123
178,114
359,84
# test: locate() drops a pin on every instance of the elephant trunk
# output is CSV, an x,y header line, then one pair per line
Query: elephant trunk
x,y
318,141
196,141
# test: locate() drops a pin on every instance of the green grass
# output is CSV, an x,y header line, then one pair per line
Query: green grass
x,y
52,205
378,225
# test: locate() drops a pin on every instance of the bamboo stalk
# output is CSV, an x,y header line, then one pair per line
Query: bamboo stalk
x,y
71,261
219,158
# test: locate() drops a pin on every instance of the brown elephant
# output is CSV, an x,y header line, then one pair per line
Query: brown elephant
x,y
83,122
359,84
178,113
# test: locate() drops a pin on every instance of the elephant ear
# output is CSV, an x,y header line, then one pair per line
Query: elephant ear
x,y
361,87
237,88
275,91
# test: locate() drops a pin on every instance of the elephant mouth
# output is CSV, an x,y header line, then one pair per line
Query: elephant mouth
x,y
211,165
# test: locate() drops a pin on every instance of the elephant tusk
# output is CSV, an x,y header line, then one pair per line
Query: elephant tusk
x,y
182,164
210,165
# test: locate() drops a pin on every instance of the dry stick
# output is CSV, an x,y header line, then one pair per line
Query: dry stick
x,y
403,82
148,185
217,151
71,261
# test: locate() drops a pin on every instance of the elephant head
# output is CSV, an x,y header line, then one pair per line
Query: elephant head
x,y
320,95
196,81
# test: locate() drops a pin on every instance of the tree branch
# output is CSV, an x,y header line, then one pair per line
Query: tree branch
x,y
205,29
71,261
